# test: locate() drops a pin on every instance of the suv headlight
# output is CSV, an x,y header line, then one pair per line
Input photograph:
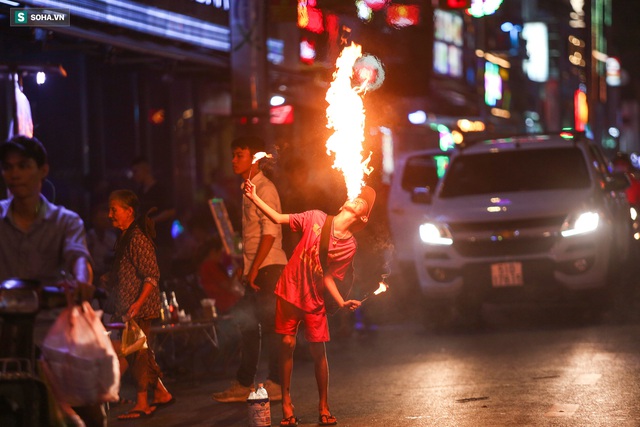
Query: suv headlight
x,y
581,223
435,234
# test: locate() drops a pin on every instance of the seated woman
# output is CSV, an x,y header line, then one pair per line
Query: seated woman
x,y
215,279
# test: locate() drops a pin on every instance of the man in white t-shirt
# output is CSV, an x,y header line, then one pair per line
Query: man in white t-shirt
x,y
264,260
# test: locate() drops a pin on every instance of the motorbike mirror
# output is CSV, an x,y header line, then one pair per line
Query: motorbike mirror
x,y
19,297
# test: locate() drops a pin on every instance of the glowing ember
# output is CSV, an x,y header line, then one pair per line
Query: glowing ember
x,y
260,155
345,115
382,288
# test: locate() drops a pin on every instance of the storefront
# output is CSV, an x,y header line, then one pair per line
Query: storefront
x,y
128,80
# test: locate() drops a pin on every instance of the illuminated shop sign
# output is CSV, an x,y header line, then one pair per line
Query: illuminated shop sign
x,y
480,8
497,93
307,51
581,109
537,37
148,20
447,46
613,71
577,14
275,51
403,15
310,17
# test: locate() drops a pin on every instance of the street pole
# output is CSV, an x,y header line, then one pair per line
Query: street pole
x,y
249,80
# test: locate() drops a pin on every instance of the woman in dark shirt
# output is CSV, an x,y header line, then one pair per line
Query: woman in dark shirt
x,y
133,292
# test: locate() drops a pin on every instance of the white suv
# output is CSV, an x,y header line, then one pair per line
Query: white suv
x,y
416,173
530,218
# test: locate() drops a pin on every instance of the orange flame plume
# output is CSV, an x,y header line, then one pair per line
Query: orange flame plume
x,y
345,115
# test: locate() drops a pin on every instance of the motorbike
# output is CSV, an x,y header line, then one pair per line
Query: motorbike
x,y
24,396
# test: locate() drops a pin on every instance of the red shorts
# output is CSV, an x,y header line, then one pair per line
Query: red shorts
x,y
288,318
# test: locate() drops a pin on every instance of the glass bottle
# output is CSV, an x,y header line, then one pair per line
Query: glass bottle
x,y
174,308
165,311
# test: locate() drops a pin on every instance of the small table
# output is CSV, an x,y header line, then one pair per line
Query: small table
x,y
165,337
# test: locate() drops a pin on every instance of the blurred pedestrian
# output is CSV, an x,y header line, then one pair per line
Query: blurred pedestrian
x,y
101,239
133,294
305,280
622,163
263,259
154,194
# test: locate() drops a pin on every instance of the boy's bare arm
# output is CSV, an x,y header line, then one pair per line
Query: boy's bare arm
x,y
330,286
272,214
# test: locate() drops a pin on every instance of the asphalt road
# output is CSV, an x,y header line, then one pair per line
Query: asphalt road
x,y
528,366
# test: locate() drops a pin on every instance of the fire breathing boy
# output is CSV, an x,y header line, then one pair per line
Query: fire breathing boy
x,y
301,287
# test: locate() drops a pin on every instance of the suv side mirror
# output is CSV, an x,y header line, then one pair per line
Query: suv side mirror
x,y
421,195
617,182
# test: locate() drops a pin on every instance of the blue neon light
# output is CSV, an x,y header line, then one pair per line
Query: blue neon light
x,y
146,19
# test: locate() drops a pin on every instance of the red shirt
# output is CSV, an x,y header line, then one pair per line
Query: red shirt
x,y
633,191
301,281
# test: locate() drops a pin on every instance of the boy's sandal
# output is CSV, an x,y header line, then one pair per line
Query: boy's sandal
x,y
327,420
289,421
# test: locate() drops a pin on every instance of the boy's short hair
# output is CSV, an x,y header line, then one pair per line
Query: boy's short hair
x,y
253,143
31,148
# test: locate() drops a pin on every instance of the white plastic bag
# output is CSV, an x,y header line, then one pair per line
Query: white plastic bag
x,y
81,359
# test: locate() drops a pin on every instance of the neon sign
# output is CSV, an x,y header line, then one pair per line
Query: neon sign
x,y
146,19
492,84
218,4
480,8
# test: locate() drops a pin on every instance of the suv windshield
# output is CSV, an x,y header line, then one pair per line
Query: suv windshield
x,y
424,171
516,170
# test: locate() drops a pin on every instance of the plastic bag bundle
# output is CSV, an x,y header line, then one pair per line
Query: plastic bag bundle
x,y
80,357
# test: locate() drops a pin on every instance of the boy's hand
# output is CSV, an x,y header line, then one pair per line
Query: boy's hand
x,y
249,189
352,304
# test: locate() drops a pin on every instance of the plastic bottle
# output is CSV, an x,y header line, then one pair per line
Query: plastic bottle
x,y
174,308
259,408
165,312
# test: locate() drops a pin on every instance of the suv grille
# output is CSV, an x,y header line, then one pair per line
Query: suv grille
x,y
516,246
553,222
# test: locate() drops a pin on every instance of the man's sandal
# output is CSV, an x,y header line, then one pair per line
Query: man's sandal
x,y
289,421
327,420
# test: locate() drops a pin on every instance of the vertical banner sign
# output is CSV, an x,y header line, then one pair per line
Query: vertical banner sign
x,y
249,60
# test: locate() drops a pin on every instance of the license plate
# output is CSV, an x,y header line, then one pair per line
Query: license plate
x,y
506,274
